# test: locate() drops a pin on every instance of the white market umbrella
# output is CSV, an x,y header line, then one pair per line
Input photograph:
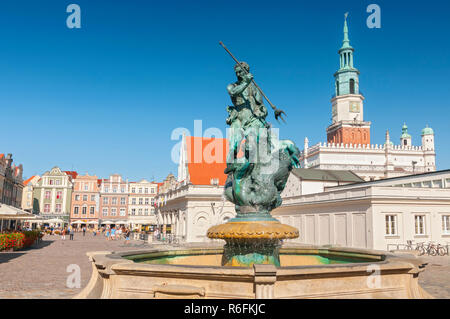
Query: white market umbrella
x,y
10,212
107,222
54,220
78,222
93,222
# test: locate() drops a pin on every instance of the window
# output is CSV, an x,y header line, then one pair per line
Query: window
x,y
106,189
133,190
86,187
391,225
419,224
51,182
122,212
153,202
153,190
105,200
47,208
437,183
146,211
105,211
75,210
114,190
92,198
141,201
57,182
122,201
122,189
77,197
113,211
146,201
352,86
85,198
446,224
91,210
133,201
146,190
58,208
114,201
47,194
133,211
84,210
140,211
140,190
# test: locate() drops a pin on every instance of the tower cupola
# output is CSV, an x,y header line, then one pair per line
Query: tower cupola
x,y
347,77
405,138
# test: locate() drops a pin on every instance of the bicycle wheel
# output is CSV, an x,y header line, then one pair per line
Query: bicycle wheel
x,y
432,251
441,251
421,251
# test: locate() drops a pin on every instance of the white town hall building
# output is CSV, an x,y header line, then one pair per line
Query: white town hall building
x,y
348,144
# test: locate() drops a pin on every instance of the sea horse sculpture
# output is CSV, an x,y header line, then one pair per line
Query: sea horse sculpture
x,y
258,166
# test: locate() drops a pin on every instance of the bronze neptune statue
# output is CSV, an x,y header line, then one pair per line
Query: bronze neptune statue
x,y
258,166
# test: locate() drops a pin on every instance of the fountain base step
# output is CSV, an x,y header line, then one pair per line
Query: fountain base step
x,y
251,241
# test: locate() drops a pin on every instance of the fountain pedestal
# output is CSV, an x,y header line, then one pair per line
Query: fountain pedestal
x,y
252,240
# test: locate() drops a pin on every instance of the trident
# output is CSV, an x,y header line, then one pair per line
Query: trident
x,y
278,113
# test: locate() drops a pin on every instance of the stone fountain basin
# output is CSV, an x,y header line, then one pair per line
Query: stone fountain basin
x,y
195,271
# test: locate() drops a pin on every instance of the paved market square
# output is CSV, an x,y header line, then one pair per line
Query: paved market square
x,y
40,272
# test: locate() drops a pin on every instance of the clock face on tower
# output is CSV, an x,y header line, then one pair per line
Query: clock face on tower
x,y
354,107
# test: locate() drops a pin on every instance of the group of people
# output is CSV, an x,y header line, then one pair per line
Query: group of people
x,y
113,233
67,231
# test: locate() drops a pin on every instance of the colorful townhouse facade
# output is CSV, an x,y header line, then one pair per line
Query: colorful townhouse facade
x,y
52,195
27,194
11,181
85,204
141,203
114,200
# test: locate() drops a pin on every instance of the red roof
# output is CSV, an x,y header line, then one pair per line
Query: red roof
x,y
25,183
206,159
73,174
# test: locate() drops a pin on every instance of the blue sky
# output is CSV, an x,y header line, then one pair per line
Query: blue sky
x,y
105,98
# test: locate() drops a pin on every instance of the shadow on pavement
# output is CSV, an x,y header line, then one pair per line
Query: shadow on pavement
x,y
43,243
5,257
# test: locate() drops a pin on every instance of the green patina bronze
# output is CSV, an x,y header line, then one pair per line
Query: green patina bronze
x,y
258,166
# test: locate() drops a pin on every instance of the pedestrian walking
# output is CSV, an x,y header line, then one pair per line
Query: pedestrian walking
x,y
127,236
70,232
84,231
63,234
113,233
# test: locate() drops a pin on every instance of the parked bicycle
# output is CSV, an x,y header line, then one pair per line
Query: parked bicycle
x,y
431,249
442,250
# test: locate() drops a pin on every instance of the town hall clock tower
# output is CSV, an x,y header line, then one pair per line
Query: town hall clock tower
x,y
348,125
